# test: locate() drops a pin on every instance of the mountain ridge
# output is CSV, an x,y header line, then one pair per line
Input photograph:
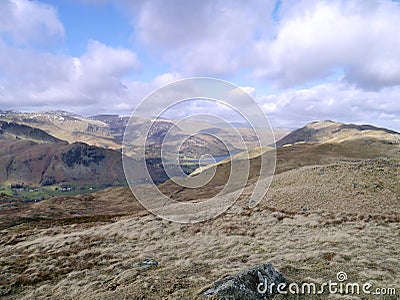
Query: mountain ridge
x,y
324,131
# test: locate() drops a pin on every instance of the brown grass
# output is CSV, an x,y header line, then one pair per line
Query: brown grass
x,y
339,231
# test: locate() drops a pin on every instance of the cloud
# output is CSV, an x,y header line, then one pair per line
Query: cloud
x,y
24,22
333,59
315,39
102,60
39,78
337,101
298,43
203,37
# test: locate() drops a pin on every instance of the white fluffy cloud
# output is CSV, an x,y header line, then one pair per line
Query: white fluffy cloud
x,y
337,101
24,22
204,37
315,38
38,78
308,40
103,61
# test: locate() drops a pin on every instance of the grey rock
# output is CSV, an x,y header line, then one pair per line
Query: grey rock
x,y
148,263
243,285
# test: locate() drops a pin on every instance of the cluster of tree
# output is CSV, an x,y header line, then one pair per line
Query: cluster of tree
x,y
81,154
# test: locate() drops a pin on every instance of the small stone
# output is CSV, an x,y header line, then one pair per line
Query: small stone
x,y
148,263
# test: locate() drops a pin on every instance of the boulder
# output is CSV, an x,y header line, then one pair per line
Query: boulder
x,y
253,283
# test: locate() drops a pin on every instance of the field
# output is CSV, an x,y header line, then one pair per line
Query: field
x,y
39,193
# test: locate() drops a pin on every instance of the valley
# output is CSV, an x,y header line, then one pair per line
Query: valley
x,y
333,206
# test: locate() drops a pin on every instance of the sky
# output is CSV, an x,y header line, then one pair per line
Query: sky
x,y
302,60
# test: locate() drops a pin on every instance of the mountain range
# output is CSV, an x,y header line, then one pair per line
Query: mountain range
x,y
50,150
32,157
58,147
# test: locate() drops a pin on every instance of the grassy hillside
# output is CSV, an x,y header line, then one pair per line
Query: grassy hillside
x,y
314,222
334,132
30,163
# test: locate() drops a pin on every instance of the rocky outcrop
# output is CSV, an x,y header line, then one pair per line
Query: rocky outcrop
x,y
255,283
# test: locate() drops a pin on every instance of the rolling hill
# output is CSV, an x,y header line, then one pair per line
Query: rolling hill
x,y
330,132
324,143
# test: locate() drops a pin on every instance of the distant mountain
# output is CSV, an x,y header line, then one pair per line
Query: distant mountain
x,y
107,131
208,140
8,112
15,131
34,151
66,126
116,125
330,131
